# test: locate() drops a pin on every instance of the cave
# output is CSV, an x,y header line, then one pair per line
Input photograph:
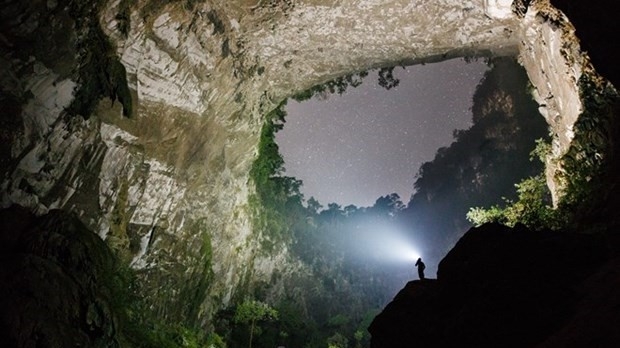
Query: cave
x,y
143,118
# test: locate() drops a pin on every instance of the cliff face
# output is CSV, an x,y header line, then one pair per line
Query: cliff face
x,y
168,187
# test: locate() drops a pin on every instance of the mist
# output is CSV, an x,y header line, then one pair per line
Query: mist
x,y
478,168
358,258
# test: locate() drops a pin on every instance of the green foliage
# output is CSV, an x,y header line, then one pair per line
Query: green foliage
x,y
359,337
532,206
269,162
338,320
591,153
157,335
541,151
338,85
251,312
584,168
342,286
277,197
215,341
137,327
337,341
321,239
481,166
480,216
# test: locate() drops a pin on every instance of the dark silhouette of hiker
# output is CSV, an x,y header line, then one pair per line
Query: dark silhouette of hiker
x,y
421,266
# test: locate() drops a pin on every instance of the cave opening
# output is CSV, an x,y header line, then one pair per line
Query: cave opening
x,y
201,75
478,124
370,140
364,251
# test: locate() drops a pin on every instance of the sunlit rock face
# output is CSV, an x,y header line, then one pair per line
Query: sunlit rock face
x,y
168,188
551,55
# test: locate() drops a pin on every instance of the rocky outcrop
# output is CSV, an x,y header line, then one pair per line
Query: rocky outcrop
x,y
510,287
168,188
55,278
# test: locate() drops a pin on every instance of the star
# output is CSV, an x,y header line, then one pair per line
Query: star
x,y
370,142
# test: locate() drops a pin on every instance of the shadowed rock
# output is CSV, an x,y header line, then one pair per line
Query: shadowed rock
x,y
51,282
510,287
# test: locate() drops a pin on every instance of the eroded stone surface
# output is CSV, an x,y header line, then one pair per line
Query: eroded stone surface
x,y
163,185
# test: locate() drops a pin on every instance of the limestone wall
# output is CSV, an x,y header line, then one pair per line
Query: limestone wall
x,y
171,183
550,53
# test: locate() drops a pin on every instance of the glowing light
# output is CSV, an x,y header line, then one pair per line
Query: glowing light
x,y
406,252
388,244
413,255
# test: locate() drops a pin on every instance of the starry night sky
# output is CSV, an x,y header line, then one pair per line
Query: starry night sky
x,y
370,142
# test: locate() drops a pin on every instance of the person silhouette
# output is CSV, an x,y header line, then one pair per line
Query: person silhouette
x,y
421,266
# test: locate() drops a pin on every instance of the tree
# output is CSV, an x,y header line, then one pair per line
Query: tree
x,y
359,336
313,205
337,341
387,79
388,205
332,213
532,208
350,210
251,311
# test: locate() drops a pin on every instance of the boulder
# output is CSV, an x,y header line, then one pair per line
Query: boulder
x,y
54,282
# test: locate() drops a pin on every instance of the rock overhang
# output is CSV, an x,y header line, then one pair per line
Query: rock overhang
x,y
203,79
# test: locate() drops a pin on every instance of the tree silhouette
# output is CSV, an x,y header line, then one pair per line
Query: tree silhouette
x,y
251,311
387,79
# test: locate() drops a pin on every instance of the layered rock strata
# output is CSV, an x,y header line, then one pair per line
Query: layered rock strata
x,y
168,187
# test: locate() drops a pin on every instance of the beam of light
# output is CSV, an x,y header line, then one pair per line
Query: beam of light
x,y
389,244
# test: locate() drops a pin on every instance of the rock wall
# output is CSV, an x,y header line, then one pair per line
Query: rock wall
x,y
510,287
168,188
551,55
56,283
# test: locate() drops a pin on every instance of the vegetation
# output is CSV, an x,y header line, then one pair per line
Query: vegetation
x,y
592,152
387,79
277,196
137,327
480,167
325,307
251,312
341,84
333,304
346,286
338,85
583,177
532,207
